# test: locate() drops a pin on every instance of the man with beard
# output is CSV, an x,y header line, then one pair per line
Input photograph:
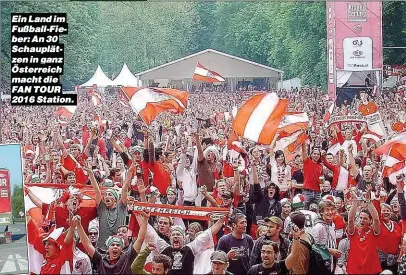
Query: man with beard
x,y
63,209
237,245
363,254
112,210
275,227
184,257
269,264
192,231
115,261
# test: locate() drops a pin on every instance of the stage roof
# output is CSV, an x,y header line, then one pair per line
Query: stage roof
x,y
226,65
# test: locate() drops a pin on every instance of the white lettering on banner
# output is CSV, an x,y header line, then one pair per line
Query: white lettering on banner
x,y
4,193
3,183
375,124
357,12
350,118
357,53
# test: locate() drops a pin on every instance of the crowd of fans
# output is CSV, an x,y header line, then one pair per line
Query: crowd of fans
x,y
285,215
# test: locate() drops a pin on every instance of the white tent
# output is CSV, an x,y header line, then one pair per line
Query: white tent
x,y
126,78
99,78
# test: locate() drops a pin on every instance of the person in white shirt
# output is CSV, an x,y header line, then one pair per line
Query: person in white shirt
x,y
186,173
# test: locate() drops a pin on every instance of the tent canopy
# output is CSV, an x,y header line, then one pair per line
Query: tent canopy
x,y
99,78
126,78
224,64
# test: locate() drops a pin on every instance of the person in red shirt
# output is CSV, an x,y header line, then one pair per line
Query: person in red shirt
x,y
73,160
58,259
161,172
389,240
363,253
62,210
312,171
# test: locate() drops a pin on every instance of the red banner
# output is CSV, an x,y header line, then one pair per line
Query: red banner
x,y
5,194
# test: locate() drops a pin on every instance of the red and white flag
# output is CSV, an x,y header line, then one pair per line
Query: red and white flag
x,y
398,141
329,112
203,74
150,102
291,144
36,248
258,119
293,122
96,98
372,137
342,182
65,111
395,162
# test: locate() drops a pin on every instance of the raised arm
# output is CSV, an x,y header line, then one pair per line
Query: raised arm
x,y
95,185
208,197
83,237
33,198
142,220
351,214
71,233
127,181
304,151
376,225
353,170
200,155
400,185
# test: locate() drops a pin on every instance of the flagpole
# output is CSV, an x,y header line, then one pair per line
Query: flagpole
x,y
129,102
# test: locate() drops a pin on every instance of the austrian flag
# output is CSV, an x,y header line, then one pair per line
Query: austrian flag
x,y
203,74
150,102
65,111
259,117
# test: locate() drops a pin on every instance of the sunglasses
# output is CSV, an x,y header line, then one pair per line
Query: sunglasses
x,y
92,233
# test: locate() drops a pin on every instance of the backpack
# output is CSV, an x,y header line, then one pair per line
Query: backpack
x,y
319,260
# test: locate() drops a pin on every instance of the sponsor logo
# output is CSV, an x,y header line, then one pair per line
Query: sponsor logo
x,y
357,12
357,53
357,28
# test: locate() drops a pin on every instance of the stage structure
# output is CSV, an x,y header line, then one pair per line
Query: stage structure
x,y
178,73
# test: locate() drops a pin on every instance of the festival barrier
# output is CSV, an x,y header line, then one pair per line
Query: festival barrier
x,y
348,118
163,210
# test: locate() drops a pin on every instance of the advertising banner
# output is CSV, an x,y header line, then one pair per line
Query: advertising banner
x,y
358,28
354,39
5,197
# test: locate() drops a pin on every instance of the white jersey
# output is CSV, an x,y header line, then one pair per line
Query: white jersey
x,y
310,221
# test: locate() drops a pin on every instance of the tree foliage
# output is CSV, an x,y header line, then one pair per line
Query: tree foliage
x,y
290,36
17,201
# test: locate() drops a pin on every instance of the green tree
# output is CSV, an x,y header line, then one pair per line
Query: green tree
x,y
17,201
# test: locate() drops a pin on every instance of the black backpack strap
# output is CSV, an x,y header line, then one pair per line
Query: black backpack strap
x,y
308,246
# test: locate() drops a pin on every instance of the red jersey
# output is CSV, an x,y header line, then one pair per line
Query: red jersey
x,y
311,173
70,165
162,176
363,254
62,215
390,238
